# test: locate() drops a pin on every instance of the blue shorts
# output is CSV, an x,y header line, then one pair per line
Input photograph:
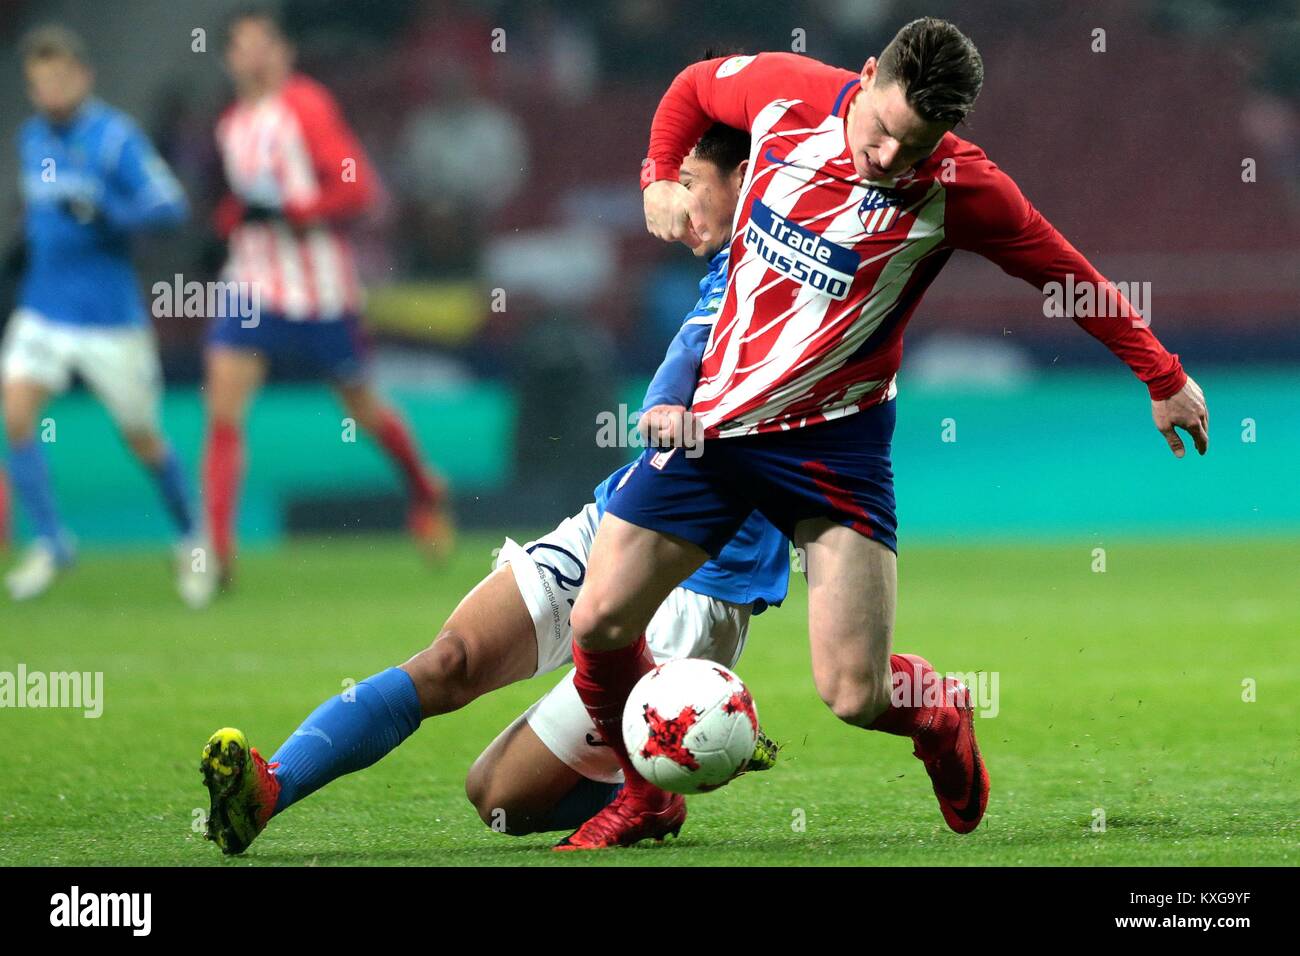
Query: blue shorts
x,y
336,349
838,470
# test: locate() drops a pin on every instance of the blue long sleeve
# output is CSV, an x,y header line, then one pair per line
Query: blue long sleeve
x,y
674,382
144,194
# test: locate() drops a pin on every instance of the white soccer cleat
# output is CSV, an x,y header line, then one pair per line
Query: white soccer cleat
x,y
35,571
198,575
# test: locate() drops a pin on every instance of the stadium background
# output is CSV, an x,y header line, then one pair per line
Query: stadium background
x,y
515,171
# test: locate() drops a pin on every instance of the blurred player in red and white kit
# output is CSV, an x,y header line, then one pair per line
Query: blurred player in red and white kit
x,y
857,193
297,174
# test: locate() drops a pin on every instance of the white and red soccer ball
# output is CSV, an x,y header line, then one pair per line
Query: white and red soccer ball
x,y
690,725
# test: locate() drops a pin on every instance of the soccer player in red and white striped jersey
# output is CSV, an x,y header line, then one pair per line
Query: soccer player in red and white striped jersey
x,y
856,194
297,175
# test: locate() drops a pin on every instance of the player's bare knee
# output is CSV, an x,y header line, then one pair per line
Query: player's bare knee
x,y
492,804
441,674
596,624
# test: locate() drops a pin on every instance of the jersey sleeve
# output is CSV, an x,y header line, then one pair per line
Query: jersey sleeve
x,y
731,90
346,181
143,193
987,214
674,382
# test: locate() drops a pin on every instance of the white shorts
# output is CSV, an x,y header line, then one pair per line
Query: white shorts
x,y
120,365
549,573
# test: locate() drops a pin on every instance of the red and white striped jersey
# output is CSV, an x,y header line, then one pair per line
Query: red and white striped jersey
x,y
293,151
826,267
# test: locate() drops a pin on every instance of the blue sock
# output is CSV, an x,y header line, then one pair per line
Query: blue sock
x,y
175,491
31,481
584,801
342,735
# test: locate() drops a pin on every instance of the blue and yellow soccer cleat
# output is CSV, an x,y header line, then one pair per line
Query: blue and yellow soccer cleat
x,y
765,751
242,787
763,758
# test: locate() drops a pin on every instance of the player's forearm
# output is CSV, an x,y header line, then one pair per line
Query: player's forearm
x,y
674,382
1118,325
339,203
680,120
142,214
1141,351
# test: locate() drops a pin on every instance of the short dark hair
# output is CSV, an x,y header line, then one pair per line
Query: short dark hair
x,y
938,68
54,41
724,146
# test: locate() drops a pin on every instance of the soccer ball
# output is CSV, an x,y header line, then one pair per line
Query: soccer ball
x,y
690,725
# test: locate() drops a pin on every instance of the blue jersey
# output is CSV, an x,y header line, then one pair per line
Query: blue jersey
x,y
87,185
754,566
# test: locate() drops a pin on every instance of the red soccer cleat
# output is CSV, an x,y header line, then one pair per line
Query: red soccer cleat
x,y
629,819
961,781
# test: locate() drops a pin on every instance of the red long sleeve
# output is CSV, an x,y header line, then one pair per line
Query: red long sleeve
x,y
346,181
986,213
732,90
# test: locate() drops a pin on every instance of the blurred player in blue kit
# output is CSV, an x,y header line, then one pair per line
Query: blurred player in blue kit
x,y
90,181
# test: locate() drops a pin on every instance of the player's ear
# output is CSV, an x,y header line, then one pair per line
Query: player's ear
x,y
738,175
868,70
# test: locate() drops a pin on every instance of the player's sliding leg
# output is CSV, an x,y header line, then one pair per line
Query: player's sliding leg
x,y
233,375
549,770
630,572
852,592
51,550
428,519
488,642
518,785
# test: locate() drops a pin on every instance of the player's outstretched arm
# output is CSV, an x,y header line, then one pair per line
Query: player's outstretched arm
x,y
1186,409
988,214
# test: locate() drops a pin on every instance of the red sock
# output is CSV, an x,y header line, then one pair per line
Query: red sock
x,y
917,705
603,680
223,464
395,438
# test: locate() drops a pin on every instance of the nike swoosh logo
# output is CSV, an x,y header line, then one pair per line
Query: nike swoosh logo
x,y
772,158
971,810
314,732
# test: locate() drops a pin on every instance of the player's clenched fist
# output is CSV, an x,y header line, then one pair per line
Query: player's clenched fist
x,y
670,426
1186,410
671,213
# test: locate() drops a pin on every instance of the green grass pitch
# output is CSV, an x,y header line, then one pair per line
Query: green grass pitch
x,y
1120,693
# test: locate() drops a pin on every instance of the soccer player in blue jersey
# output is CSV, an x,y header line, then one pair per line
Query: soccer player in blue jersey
x,y
90,181
548,770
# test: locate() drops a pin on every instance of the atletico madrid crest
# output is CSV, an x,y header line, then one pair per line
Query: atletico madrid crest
x,y
879,210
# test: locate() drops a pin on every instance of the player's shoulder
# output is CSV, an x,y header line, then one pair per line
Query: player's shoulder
x,y
958,154
796,75
32,128
306,95
975,187
713,286
113,128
